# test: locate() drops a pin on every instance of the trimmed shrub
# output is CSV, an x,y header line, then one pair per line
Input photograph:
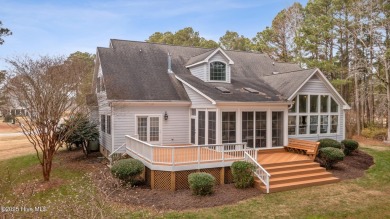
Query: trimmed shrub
x,y
375,133
330,156
201,183
349,146
327,142
127,170
242,174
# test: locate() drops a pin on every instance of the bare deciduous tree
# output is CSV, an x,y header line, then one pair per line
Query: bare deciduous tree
x,y
46,87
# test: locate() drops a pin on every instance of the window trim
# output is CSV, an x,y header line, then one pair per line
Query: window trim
x,y
226,71
318,113
160,136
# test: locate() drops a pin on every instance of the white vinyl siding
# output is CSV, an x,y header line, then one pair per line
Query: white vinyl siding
x,y
105,139
197,100
175,130
199,71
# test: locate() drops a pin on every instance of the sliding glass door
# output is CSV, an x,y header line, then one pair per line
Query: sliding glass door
x,y
254,129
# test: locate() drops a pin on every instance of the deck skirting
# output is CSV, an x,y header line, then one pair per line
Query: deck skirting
x,y
177,180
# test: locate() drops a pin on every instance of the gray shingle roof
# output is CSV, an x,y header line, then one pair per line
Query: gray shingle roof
x,y
139,71
198,58
287,83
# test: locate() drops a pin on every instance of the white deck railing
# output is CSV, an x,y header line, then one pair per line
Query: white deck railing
x,y
189,154
259,171
111,156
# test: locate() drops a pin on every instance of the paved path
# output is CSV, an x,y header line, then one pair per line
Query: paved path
x,y
10,134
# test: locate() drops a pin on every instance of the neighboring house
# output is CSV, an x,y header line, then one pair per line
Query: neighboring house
x,y
175,95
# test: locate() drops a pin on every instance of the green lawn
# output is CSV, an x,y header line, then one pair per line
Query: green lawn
x,y
367,197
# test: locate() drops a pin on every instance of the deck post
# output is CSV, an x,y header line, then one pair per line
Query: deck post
x,y
152,179
222,176
173,181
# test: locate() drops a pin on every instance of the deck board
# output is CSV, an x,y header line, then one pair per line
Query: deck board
x,y
279,157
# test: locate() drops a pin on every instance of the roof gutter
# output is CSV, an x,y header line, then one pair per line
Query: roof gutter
x,y
149,103
265,103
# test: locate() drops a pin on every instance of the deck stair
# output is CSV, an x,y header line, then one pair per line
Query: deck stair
x,y
290,175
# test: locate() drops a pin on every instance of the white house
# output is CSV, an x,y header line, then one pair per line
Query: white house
x,y
164,95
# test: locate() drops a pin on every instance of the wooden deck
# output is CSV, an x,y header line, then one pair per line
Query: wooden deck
x,y
291,171
272,156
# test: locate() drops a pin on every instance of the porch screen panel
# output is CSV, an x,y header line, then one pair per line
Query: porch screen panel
x,y
142,128
277,129
247,128
154,128
228,127
201,127
261,129
212,128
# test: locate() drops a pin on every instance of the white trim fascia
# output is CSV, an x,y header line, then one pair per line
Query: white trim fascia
x,y
149,103
231,62
195,64
265,103
196,90
328,84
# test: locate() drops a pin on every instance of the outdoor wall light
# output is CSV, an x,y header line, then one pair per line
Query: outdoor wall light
x,y
166,115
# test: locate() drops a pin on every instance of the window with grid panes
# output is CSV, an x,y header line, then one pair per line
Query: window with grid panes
x,y
217,71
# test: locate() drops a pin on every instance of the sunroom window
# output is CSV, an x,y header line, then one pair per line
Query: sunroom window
x,y
313,114
217,71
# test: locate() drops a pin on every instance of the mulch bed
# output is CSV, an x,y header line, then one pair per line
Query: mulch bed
x,y
353,166
141,196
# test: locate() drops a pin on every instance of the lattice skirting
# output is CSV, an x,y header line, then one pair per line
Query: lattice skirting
x,y
166,180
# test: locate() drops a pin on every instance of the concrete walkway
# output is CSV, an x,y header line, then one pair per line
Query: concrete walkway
x,y
10,134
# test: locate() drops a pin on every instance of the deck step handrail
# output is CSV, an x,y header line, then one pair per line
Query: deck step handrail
x,y
190,154
259,171
114,152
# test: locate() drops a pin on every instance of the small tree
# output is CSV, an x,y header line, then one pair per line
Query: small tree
x,y
81,131
46,87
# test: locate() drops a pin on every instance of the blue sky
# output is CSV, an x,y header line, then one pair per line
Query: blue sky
x,y
62,27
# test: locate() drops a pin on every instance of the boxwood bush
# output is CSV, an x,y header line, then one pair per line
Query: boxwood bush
x,y
127,170
349,146
242,174
201,183
330,156
327,142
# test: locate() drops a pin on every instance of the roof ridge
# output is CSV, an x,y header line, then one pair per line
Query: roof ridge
x,y
290,72
165,44
230,50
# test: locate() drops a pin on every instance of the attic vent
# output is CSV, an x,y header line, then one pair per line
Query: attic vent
x,y
275,72
223,90
251,90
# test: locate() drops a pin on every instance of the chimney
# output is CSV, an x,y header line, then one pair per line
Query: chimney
x,y
169,63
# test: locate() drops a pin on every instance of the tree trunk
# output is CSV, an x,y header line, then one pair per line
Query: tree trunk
x,y
357,104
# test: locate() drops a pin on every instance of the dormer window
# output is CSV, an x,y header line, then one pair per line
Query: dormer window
x,y
217,71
